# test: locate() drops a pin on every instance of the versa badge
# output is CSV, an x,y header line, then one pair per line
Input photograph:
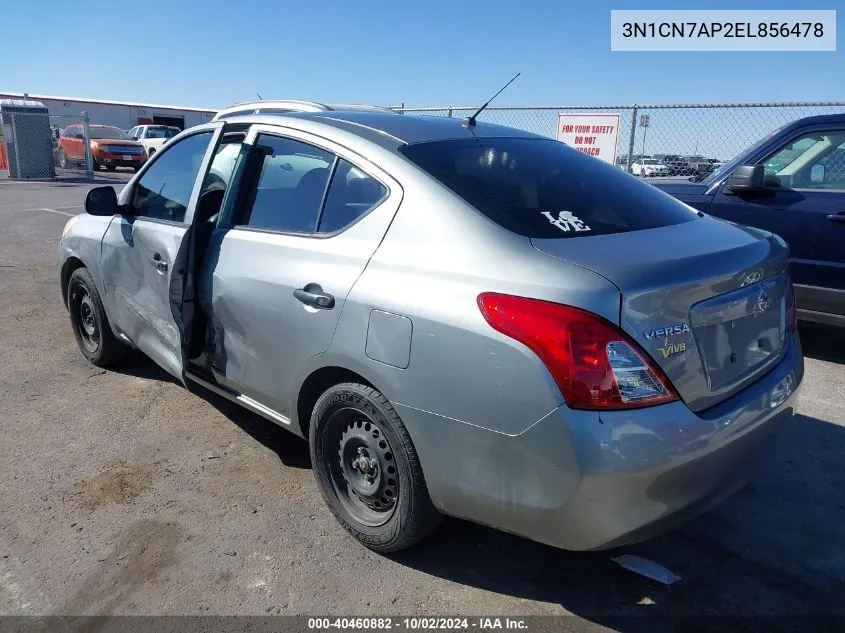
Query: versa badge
x,y
669,330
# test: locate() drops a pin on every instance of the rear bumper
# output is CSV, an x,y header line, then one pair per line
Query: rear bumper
x,y
581,481
118,161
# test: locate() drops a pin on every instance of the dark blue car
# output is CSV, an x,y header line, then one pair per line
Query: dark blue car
x,y
791,183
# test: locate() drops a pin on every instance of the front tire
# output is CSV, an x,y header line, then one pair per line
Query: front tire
x,y
88,318
367,469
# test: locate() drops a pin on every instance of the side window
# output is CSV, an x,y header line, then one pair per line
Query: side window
x,y
287,184
352,193
217,179
829,172
223,164
165,188
815,160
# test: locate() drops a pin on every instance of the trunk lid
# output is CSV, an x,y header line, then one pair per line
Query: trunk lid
x,y
707,300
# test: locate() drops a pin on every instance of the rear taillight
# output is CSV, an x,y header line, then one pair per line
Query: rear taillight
x,y
595,364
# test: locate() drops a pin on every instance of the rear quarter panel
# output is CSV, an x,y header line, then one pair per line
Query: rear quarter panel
x,y
437,257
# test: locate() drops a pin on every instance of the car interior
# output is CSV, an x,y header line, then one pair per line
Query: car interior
x,y
284,191
814,161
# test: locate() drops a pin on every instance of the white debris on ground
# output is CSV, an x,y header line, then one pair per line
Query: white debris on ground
x,y
647,568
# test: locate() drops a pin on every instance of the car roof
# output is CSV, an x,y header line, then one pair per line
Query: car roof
x,y
387,129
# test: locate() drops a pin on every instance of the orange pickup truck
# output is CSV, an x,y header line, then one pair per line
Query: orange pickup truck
x,y
110,148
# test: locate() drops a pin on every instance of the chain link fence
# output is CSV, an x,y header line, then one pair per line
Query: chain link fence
x,y
684,140
39,146
71,146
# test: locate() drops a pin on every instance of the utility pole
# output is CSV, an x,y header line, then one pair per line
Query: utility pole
x,y
644,126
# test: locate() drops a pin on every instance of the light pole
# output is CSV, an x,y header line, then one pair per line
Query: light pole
x,y
644,125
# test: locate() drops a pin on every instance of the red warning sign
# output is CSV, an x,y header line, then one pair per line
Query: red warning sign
x,y
592,134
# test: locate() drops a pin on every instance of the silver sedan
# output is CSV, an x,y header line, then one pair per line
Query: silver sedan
x,y
468,320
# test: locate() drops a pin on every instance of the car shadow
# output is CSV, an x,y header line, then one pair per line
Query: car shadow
x,y
822,342
291,450
769,556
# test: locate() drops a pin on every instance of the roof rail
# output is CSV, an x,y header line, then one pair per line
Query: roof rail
x,y
281,107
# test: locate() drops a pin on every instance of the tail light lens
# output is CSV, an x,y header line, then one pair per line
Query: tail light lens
x,y
595,364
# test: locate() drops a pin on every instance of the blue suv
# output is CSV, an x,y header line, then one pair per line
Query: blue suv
x,y
791,183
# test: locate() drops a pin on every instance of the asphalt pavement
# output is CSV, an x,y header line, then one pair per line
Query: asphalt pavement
x,y
122,492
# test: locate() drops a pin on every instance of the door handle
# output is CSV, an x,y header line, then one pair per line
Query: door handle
x,y
837,217
313,295
159,264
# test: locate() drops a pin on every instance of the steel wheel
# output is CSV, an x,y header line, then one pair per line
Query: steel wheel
x,y
367,468
63,162
89,329
363,473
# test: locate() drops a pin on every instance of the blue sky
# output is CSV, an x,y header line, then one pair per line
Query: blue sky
x,y
428,52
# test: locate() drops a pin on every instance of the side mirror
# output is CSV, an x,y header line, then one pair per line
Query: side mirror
x,y
747,178
817,174
101,201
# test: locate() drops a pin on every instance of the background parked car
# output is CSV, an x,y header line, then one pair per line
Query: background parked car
x,y
649,167
701,166
677,165
152,137
791,183
110,148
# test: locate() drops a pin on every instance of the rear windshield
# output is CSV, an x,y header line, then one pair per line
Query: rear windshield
x,y
162,132
542,188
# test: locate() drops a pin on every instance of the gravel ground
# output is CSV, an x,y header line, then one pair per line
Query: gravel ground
x,y
121,492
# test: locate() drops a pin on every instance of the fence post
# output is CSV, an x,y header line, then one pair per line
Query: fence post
x,y
86,134
14,121
631,139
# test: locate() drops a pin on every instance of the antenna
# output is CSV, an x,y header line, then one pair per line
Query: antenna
x,y
260,98
469,122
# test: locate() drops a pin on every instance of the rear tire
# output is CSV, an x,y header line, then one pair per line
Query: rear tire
x,y
367,469
88,318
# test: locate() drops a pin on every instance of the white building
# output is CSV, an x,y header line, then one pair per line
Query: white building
x,y
67,110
